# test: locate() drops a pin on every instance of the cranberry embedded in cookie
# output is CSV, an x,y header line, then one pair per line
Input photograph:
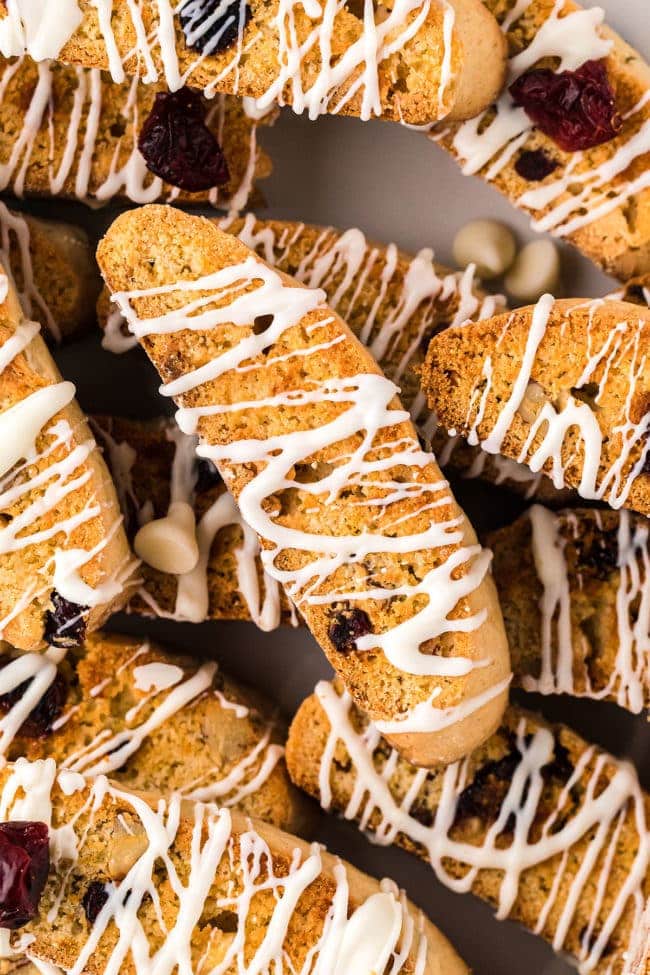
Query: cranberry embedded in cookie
x,y
24,863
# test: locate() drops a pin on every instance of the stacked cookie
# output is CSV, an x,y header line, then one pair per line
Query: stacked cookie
x,y
334,398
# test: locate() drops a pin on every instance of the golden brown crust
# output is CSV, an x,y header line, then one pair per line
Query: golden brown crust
x,y
222,732
600,585
468,824
415,84
81,498
157,246
590,363
619,239
111,837
112,166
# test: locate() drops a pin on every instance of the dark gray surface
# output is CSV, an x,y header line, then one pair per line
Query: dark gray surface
x,y
395,185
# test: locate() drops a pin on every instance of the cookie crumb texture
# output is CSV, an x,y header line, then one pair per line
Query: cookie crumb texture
x,y
563,386
350,509
597,198
415,61
574,588
154,721
64,558
548,829
199,887
72,132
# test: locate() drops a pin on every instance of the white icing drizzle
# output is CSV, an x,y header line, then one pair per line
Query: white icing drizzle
x,y
242,855
40,670
553,423
598,820
128,174
333,80
583,193
629,682
368,407
38,27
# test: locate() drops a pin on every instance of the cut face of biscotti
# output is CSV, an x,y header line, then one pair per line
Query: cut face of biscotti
x,y
64,558
151,720
133,881
582,175
354,517
72,132
415,61
563,386
574,587
54,271
548,829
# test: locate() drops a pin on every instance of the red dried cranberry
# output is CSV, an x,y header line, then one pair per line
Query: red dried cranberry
x,y
535,165
209,27
178,146
94,899
577,109
65,623
24,864
39,722
347,628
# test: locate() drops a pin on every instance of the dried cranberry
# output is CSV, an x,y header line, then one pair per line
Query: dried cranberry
x,y
207,475
576,109
24,864
65,623
347,628
210,29
535,165
178,146
39,722
94,899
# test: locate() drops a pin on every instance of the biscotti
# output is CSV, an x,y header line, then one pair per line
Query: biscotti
x,y
354,517
64,559
563,386
153,721
415,62
548,829
598,198
54,272
72,132
574,588
134,881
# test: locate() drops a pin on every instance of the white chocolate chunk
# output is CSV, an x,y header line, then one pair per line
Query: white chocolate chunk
x,y
488,244
535,271
169,544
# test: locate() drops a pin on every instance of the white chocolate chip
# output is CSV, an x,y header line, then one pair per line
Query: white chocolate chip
x,y
169,544
488,244
535,272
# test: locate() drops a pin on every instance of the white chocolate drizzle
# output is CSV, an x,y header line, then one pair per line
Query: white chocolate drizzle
x,y
333,80
78,140
231,865
367,408
629,682
489,142
605,804
553,422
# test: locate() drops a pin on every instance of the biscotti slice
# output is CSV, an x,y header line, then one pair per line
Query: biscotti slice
x,y
574,587
550,830
595,196
54,271
135,882
354,517
151,720
72,132
563,386
414,61
65,564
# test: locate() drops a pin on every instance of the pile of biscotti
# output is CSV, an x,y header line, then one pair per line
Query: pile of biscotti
x,y
334,398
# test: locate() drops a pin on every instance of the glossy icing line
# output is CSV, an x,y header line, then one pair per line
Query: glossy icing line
x,y
375,804
321,553
234,867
